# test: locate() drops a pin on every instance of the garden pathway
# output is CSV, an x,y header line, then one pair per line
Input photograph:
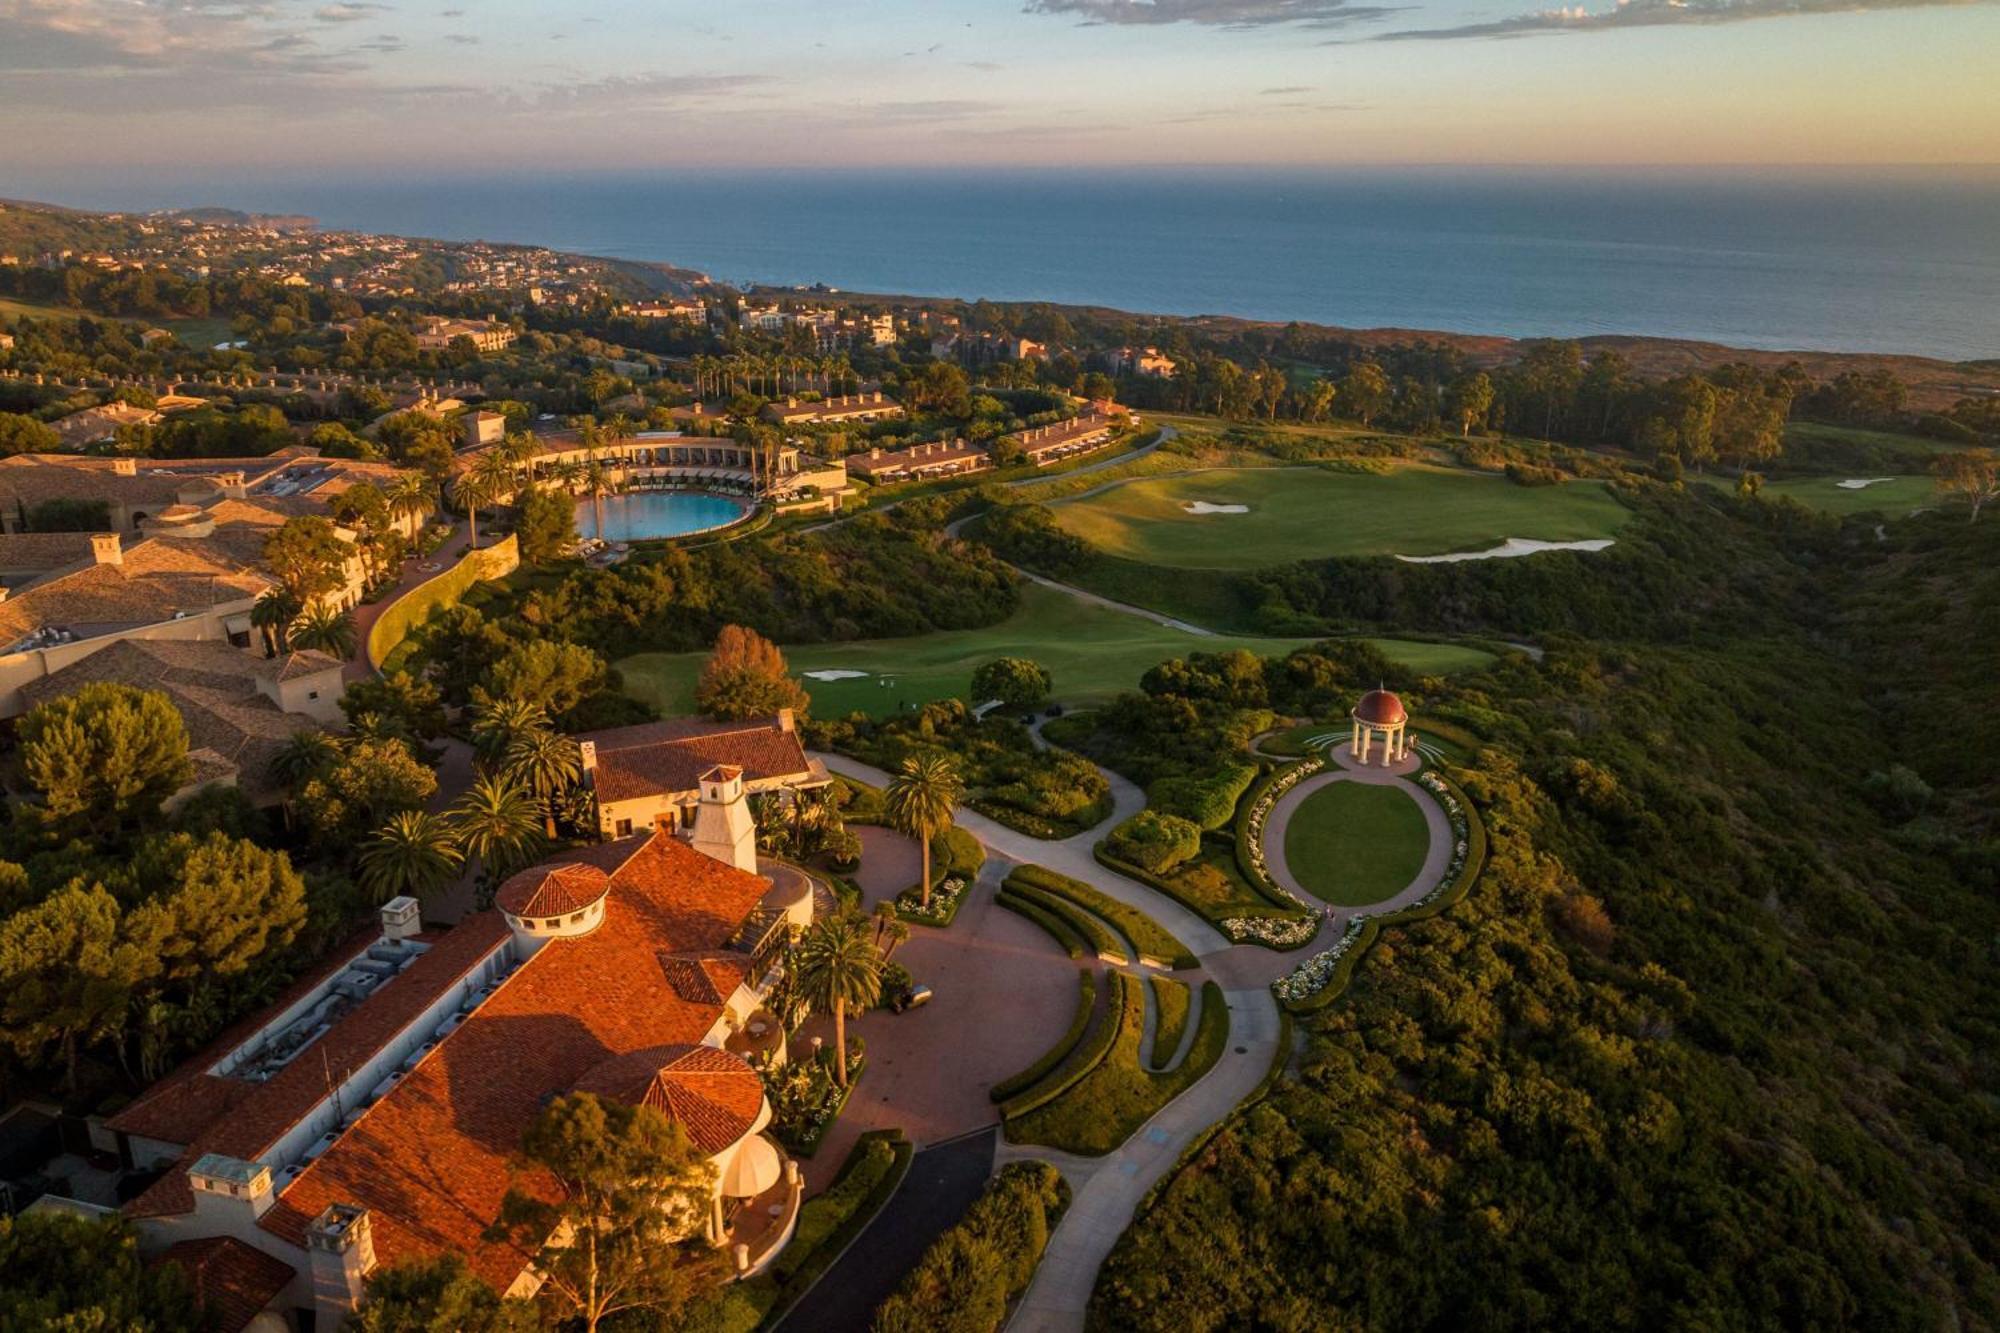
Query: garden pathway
x,y
1437,857
416,570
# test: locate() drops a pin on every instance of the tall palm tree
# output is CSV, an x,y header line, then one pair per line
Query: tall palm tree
x,y
497,822
596,480
326,628
474,492
496,469
547,764
837,967
919,802
299,760
496,722
273,610
415,853
884,914
895,934
411,494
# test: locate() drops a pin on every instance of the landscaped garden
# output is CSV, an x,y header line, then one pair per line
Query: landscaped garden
x,y
1353,843
1253,518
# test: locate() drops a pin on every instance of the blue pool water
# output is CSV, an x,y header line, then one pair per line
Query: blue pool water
x,y
645,514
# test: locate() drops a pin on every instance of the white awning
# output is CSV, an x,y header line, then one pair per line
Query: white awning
x,y
755,1168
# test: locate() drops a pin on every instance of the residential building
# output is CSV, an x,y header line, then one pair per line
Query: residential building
x,y
859,407
95,424
483,428
1043,445
1146,361
435,332
371,1116
884,467
650,774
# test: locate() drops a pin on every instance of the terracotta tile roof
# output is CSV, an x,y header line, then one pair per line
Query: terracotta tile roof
x,y
43,551
235,1281
715,1095
668,758
258,1116
157,577
552,890
431,1159
705,977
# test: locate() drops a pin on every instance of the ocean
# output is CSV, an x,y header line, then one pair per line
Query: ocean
x,y
1889,261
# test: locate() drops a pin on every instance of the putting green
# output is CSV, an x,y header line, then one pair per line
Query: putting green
x,y
1893,497
1353,844
1306,513
1092,653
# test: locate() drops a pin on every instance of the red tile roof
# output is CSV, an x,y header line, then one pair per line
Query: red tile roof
x,y
705,978
552,890
664,758
235,1281
715,1095
431,1159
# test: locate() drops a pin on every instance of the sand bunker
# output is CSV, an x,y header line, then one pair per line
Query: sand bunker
x,y
1204,507
1861,483
1508,549
836,675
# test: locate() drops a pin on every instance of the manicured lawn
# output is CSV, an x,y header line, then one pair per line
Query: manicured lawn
x,y
1309,513
1092,653
1354,844
1893,498
1809,433
200,334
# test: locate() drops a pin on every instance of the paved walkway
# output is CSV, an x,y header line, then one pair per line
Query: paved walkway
x,y
416,570
1437,825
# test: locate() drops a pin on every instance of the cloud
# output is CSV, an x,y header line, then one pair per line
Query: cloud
x,y
1653,14
1290,90
461,39
635,92
348,11
1213,13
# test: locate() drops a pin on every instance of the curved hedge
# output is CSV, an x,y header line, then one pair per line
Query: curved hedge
x,y
1240,831
1148,936
1097,937
1033,1074
1209,802
1058,930
417,605
1085,1056
1371,928
1165,887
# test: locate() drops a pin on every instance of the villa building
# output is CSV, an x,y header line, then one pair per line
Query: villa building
x,y
860,407
1043,445
435,332
656,460
95,424
1149,362
369,1116
649,775
885,467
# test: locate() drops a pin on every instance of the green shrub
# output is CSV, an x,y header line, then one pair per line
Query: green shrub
x,y
964,1281
1148,936
1059,930
1210,802
1170,1001
1086,1003
1108,1021
1154,842
1098,938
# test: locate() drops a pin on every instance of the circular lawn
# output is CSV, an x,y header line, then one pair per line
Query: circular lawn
x,y
1353,843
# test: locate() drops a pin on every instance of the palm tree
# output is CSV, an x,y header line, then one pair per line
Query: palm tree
x,y
415,853
495,723
919,802
326,628
411,494
547,764
299,760
596,480
474,492
896,933
837,967
497,822
274,609
885,913
495,468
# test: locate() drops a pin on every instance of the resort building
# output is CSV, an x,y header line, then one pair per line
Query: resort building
x,y
1043,445
369,1117
94,425
240,707
649,775
885,467
668,460
860,407
1146,361
435,332
694,312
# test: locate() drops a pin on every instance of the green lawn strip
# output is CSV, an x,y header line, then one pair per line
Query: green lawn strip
x,y
828,1222
1107,1106
1154,942
1108,1018
1098,939
1353,843
1170,1002
1086,1004
1059,930
1306,513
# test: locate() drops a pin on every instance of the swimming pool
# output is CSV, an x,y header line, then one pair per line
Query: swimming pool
x,y
641,515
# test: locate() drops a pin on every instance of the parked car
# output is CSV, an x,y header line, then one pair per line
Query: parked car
x,y
909,997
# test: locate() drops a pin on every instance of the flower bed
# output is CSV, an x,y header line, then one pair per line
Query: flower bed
x,y
806,1099
1250,837
1310,977
945,901
1273,931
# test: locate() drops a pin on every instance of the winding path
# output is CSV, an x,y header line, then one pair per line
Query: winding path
x,y
1108,1189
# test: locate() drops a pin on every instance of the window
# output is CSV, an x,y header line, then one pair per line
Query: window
x,y
312,694
624,828
576,917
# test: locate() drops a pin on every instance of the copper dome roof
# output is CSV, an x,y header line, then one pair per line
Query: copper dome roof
x,y
1380,707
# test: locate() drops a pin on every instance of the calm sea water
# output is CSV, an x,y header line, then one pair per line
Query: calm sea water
x,y
637,515
1902,261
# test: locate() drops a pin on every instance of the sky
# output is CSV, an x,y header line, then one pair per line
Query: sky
x,y
98,92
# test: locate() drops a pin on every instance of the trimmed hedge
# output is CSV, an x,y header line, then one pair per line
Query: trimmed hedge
x,y
1156,841
1098,938
1166,886
1086,1004
1084,1057
1372,927
1148,936
1054,926
1209,802
970,1273
1240,830
417,605
1170,1002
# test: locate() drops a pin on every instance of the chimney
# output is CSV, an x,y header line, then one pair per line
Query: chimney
x,y
340,1248
230,1194
723,828
106,548
124,467
402,917
586,752
785,720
